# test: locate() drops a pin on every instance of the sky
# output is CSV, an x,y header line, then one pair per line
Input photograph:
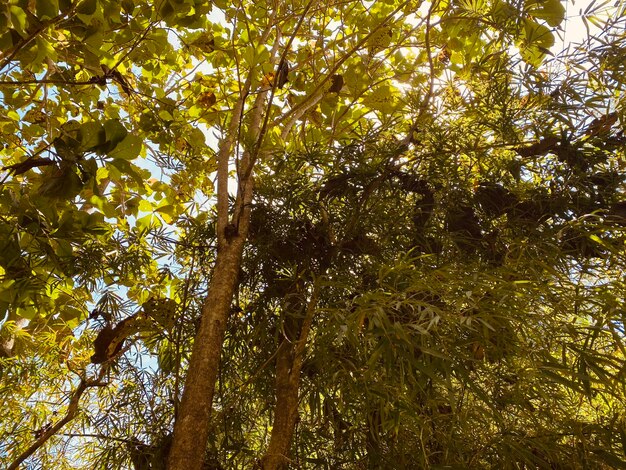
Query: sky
x,y
574,26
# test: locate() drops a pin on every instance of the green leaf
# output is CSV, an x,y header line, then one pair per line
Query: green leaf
x,y
45,51
115,131
95,224
103,205
537,34
128,6
610,458
382,98
18,19
562,380
552,11
126,167
62,248
248,56
538,39
7,291
503,11
127,149
26,312
148,221
47,9
91,135
146,206
87,7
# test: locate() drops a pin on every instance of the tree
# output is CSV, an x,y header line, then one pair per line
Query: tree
x,y
419,227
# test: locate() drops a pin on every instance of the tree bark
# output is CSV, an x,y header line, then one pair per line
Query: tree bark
x,y
286,410
191,427
288,367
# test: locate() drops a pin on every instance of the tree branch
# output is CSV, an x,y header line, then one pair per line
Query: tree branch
x,y
72,411
320,86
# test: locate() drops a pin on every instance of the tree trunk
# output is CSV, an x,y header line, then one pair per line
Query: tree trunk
x,y
191,429
286,411
192,422
288,366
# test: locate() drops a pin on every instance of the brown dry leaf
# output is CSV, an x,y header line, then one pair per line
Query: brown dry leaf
x,y
268,79
444,56
601,125
207,99
336,84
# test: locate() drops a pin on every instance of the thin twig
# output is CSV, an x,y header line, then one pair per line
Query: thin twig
x,y
431,81
320,86
281,63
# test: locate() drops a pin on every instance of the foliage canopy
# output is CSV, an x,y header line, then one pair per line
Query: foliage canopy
x,y
365,234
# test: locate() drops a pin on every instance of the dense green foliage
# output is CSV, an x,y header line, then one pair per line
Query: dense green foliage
x,y
439,196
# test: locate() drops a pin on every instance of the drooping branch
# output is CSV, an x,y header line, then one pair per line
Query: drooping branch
x,y
72,412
